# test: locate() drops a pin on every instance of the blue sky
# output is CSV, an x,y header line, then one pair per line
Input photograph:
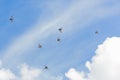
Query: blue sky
x,y
37,21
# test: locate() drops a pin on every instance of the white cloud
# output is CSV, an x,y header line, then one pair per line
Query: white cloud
x,y
74,75
29,73
105,65
6,74
26,73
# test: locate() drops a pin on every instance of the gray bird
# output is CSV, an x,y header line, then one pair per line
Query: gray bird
x,y
46,67
58,39
11,18
60,30
39,46
96,32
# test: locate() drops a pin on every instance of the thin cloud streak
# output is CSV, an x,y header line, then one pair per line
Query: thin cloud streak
x,y
28,39
25,41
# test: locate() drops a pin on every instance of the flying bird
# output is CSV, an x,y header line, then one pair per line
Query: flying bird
x,y
58,39
96,32
60,30
11,18
39,46
46,67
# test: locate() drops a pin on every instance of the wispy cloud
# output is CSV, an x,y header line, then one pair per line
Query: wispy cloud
x,y
25,41
83,11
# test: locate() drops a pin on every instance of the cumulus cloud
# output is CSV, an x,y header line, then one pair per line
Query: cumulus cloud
x,y
104,65
6,74
29,73
74,75
26,73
